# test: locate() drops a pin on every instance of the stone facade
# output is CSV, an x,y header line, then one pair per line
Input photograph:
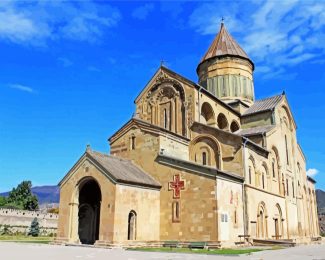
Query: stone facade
x,y
222,167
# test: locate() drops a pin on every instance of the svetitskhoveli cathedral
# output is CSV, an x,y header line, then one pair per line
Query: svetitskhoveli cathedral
x,y
197,162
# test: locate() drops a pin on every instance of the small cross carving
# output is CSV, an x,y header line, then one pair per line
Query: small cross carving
x,y
177,185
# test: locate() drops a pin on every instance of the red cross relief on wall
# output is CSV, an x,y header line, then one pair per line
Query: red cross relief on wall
x,y
177,185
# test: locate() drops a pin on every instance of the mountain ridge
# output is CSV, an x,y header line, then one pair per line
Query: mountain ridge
x,y
46,194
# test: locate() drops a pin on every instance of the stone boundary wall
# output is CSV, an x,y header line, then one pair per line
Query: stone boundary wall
x,y
20,220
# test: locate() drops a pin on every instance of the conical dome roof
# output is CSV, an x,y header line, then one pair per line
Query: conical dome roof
x,y
225,45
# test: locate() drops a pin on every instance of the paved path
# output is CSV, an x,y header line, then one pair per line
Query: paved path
x,y
18,251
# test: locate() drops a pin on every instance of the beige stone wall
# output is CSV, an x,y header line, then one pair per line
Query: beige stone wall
x,y
256,120
225,66
229,148
228,70
69,202
287,176
257,198
174,147
230,211
198,213
146,204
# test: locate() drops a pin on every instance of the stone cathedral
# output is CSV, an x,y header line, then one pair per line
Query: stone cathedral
x,y
197,162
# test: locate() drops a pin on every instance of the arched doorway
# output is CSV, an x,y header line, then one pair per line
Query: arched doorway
x,y
89,212
132,225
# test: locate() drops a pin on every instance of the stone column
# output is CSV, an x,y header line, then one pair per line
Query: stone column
x,y
73,234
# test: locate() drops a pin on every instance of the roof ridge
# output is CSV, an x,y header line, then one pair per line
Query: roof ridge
x,y
266,98
110,156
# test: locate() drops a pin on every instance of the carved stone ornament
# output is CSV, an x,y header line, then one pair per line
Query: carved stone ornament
x,y
161,77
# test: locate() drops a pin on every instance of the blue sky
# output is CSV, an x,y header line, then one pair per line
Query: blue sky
x,y
69,71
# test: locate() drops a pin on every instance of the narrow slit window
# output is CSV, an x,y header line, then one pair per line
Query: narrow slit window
x,y
176,211
273,169
287,150
263,179
165,118
204,158
250,175
132,142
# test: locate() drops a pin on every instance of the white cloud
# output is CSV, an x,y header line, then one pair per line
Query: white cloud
x,y
93,69
143,11
36,22
65,62
22,88
312,172
277,34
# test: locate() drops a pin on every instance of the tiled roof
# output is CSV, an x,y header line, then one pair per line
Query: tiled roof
x,y
123,170
263,105
224,44
254,130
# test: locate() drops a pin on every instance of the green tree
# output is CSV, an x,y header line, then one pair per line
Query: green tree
x,y
3,201
34,228
22,197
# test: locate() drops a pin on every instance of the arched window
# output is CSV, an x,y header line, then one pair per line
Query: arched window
x,y
263,180
204,158
234,126
165,119
287,186
273,168
222,121
264,176
287,150
167,103
132,222
283,186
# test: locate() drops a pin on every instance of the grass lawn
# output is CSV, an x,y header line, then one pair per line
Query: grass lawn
x,y
225,251
26,239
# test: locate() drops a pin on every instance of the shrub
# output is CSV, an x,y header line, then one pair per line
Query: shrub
x,y
6,230
34,228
